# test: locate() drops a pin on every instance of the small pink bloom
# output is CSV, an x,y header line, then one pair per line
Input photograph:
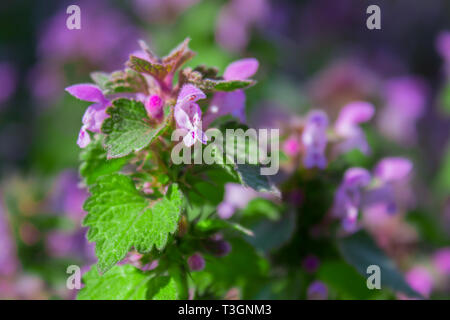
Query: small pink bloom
x,y
196,262
441,260
154,107
420,280
393,169
291,146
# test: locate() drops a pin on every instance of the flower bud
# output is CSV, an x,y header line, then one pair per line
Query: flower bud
x,y
196,262
154,107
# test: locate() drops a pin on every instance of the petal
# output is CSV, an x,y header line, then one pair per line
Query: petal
x,y
357,177
225,210
191,93
83,138
201,136
226,103
393,169
353,114
190,138
241,69
182,119
87,92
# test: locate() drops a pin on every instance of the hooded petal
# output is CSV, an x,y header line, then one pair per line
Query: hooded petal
x,y
241,69
393,169
189,93
226,103
87,92
352,115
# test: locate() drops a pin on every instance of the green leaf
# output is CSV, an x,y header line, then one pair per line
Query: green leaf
x,y
345,280
119,218
129,128
94,162
250,176
126,283
214,225
219,85
360,251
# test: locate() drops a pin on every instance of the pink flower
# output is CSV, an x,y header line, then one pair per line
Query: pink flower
x,y
314,139
232,102
441,260
188,114
393,169
291,146
420,280
347,126
95,114
154,106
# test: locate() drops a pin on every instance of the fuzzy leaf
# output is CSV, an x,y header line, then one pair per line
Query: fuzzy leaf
x,y
126,283
129,128
94,162
119,218
125,81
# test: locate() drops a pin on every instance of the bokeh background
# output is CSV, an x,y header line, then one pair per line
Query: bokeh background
x,y
312,53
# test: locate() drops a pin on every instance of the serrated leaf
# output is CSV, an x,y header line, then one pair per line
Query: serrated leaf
x,y
126,283
156,70
120,217
125,81
221,85
129,128
94,162
360,251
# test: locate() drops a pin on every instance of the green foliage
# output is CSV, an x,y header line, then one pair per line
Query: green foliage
x,y
120,217
129,128
127,283
360,251
94,162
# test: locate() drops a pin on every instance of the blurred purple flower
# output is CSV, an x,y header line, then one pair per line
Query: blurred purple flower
x,y
441,260
236,197
8,79
310,263
347,127
95,114
317,291
420,280
196,262
443,45
235,21
8,254
232,102
405,103
314,138
392,169
217,245
104,40
348,197
292,146
188,114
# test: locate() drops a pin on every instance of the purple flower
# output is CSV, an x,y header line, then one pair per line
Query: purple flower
x,y
441,260
348,197
317,291
405,103
217,245
443,45
95,113
154,106
232,102
188,114
393,169
292,146
420,280
8,255
314,138
236,197
311,263
196,262
347,126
